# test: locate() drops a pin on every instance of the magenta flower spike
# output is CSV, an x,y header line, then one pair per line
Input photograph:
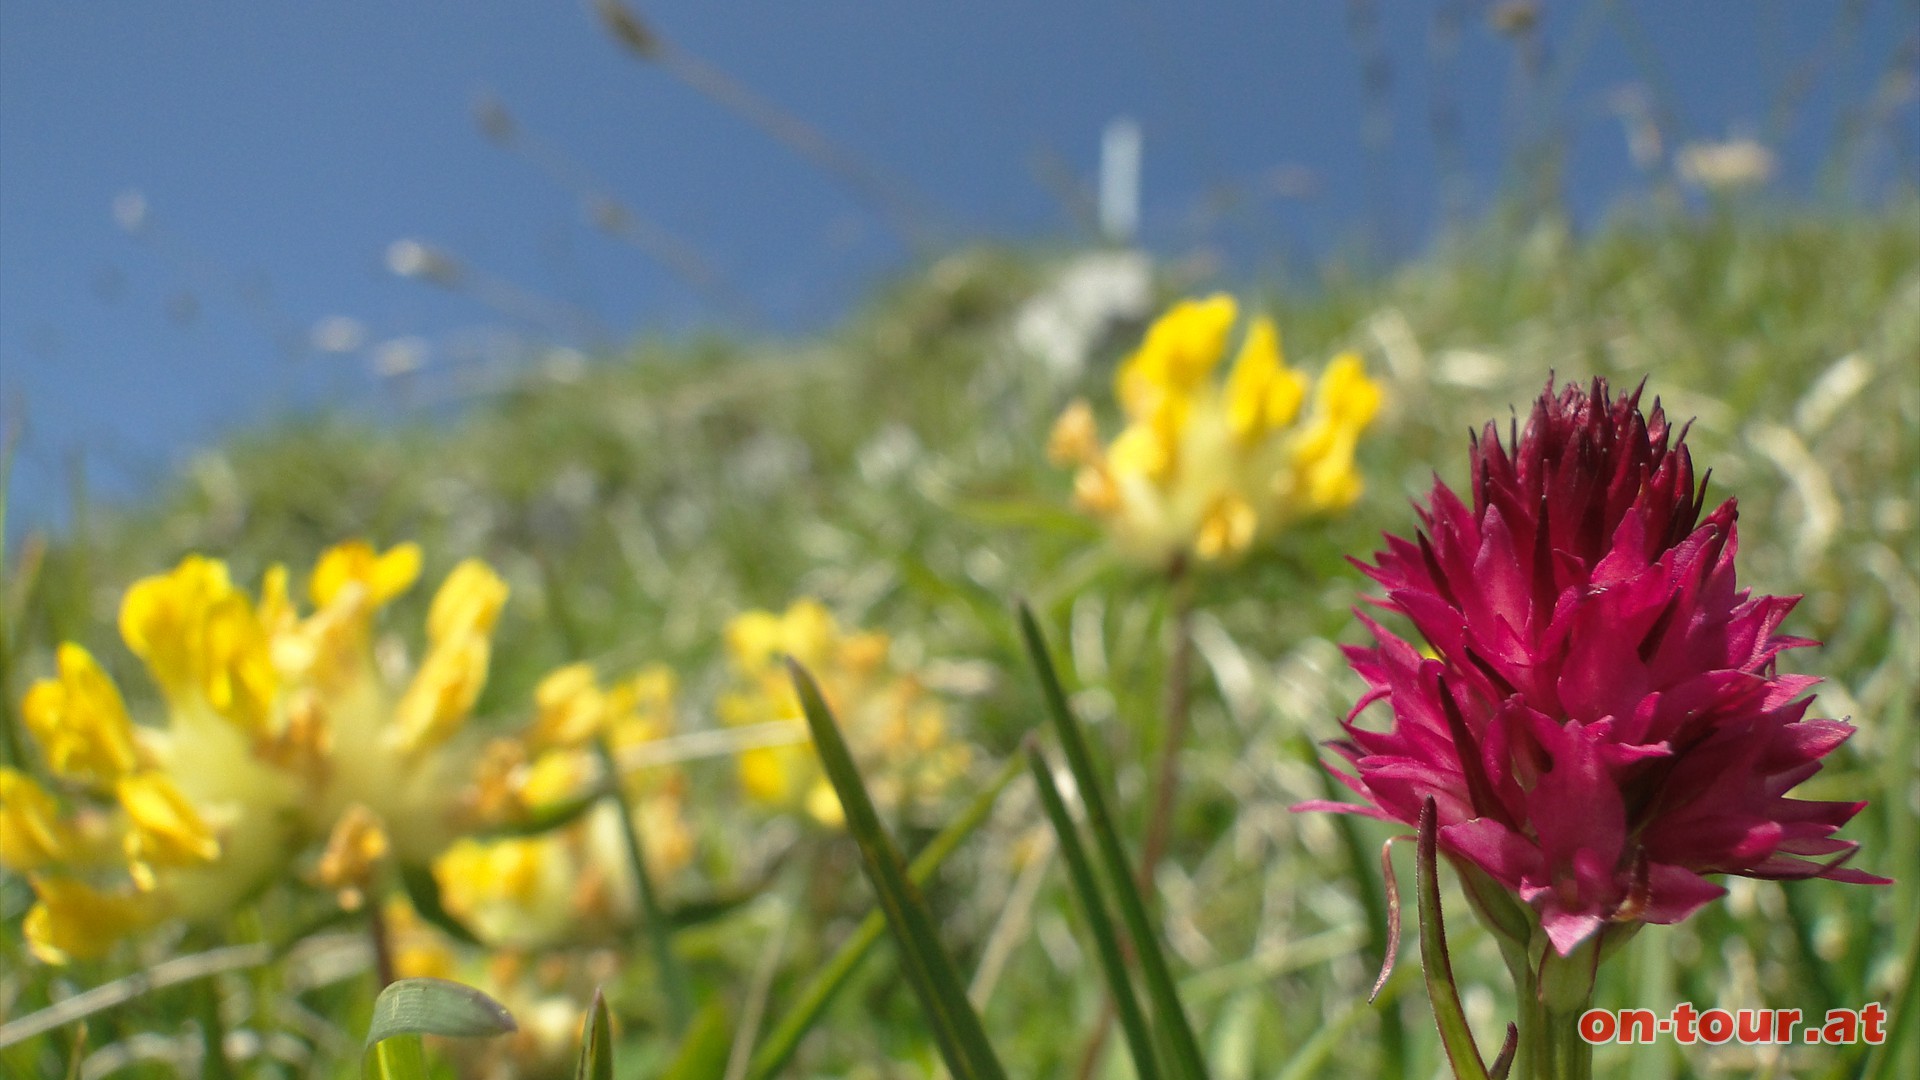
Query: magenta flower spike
x,y
1598,717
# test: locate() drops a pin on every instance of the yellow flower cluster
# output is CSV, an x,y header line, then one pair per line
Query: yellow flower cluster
x,y
572,881
895,728
280,729
1202,469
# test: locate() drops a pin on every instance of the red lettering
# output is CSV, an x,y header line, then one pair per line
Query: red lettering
x,y
1842,1026
1875,1019
1637,1025
1716,1026
1754,1025
1784,1021
1683,1017
1597,1026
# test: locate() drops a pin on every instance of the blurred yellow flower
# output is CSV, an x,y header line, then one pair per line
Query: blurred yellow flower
x,y
74,921
896,729
1203,468
31,832
279,731
569,883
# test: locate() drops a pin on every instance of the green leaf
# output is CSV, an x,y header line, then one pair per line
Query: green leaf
x,y
705,1047
1442,992
409,1008
547,818
1170,1018
398,1058
596,1043
778,1047
423,892
436,1007
956,1027
1087,890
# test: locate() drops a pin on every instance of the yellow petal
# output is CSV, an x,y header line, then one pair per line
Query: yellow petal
x,y
569,707
31,832
74,921
1181,349
1075,439
808,632
442,693
80,721
238,678
381,577
163,619
1263,394
355,848
167,830
753,640
468,602
1227,530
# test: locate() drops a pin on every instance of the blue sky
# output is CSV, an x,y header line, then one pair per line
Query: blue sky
x,y
280,148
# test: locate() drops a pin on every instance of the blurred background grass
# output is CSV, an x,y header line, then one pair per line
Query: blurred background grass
x,y
894,467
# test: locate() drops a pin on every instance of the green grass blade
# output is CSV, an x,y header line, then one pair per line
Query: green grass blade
x,y
409,1008
398,1058
1442,992
659,934
596,1043
437,1007
956,1027
1883,1064
1087,889
1169,1015
705,1046
778,1047
423,892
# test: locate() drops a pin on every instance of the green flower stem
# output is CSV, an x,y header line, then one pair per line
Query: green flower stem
x,y
1176,709
659,935
1551,1001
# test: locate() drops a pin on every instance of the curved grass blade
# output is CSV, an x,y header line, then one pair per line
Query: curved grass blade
x,y
409,1008
1442,992
596,1043
1100,924
778,1047
547,818
423,892
963,1043
1170,1016
437,1007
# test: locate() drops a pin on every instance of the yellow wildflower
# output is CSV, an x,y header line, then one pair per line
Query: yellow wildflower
x,y
896,730
1202,467
166,829
279,732
75,921
80,721
568,882
31,832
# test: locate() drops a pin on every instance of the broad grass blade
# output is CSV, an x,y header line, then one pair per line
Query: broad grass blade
x,y
409,1008
596,1043
963,1043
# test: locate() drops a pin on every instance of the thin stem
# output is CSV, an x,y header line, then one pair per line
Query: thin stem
x,y
659,935
1176,708
382,938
